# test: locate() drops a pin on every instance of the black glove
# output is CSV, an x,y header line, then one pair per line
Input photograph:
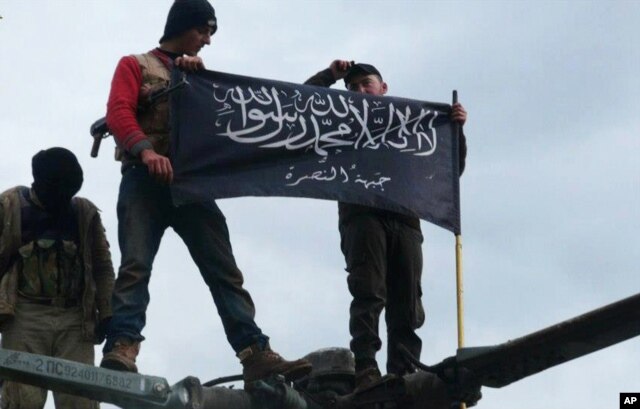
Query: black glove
x,y
466,390
462,386
101,330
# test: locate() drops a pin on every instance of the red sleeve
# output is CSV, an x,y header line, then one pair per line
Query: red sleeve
x,y
123,104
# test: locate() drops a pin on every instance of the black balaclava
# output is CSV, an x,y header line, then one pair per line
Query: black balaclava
x,y
57,177
187,14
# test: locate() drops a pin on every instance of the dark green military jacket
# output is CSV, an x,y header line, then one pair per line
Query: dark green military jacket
x,y
94,251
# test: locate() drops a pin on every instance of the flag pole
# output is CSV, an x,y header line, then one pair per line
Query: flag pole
x,y
459,291
459,286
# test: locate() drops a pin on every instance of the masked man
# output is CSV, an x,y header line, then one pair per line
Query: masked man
x,y
383,252
57,276
145,208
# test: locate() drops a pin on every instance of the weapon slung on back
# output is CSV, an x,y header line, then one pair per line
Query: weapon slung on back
x,y
99,129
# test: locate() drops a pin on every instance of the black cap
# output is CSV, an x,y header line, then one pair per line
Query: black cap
x,y
359,69
187,14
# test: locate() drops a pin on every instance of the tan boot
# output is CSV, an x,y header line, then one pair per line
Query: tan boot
x,y
122,357
259,364
367,378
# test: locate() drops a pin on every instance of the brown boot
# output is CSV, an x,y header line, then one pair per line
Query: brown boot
x,y
259,364
122,357
367,378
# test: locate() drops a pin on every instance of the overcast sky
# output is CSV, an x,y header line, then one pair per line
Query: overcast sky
x,y
550,195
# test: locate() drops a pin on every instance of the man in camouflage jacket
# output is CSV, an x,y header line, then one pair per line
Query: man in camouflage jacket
x,y
56,273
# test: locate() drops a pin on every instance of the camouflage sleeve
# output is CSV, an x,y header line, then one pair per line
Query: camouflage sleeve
x,y
103,274
323,78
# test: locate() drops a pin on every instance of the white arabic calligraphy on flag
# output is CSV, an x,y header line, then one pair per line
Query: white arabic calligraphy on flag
x,y
241,136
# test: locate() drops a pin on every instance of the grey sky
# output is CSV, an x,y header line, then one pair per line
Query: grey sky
x,y
550,195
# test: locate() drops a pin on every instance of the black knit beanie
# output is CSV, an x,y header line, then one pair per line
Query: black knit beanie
x,y
187,14
57,177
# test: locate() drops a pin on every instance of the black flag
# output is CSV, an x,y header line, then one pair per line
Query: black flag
x,y
241,136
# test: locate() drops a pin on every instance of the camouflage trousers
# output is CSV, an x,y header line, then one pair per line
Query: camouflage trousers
x,y
384,261
51,331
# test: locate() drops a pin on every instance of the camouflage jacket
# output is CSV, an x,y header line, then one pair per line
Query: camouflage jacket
x,y
94,251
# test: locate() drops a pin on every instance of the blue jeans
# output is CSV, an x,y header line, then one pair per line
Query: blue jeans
x,y
145,210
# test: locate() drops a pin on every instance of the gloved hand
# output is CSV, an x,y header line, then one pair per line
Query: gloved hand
x,y
100,331
462,386
466,389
